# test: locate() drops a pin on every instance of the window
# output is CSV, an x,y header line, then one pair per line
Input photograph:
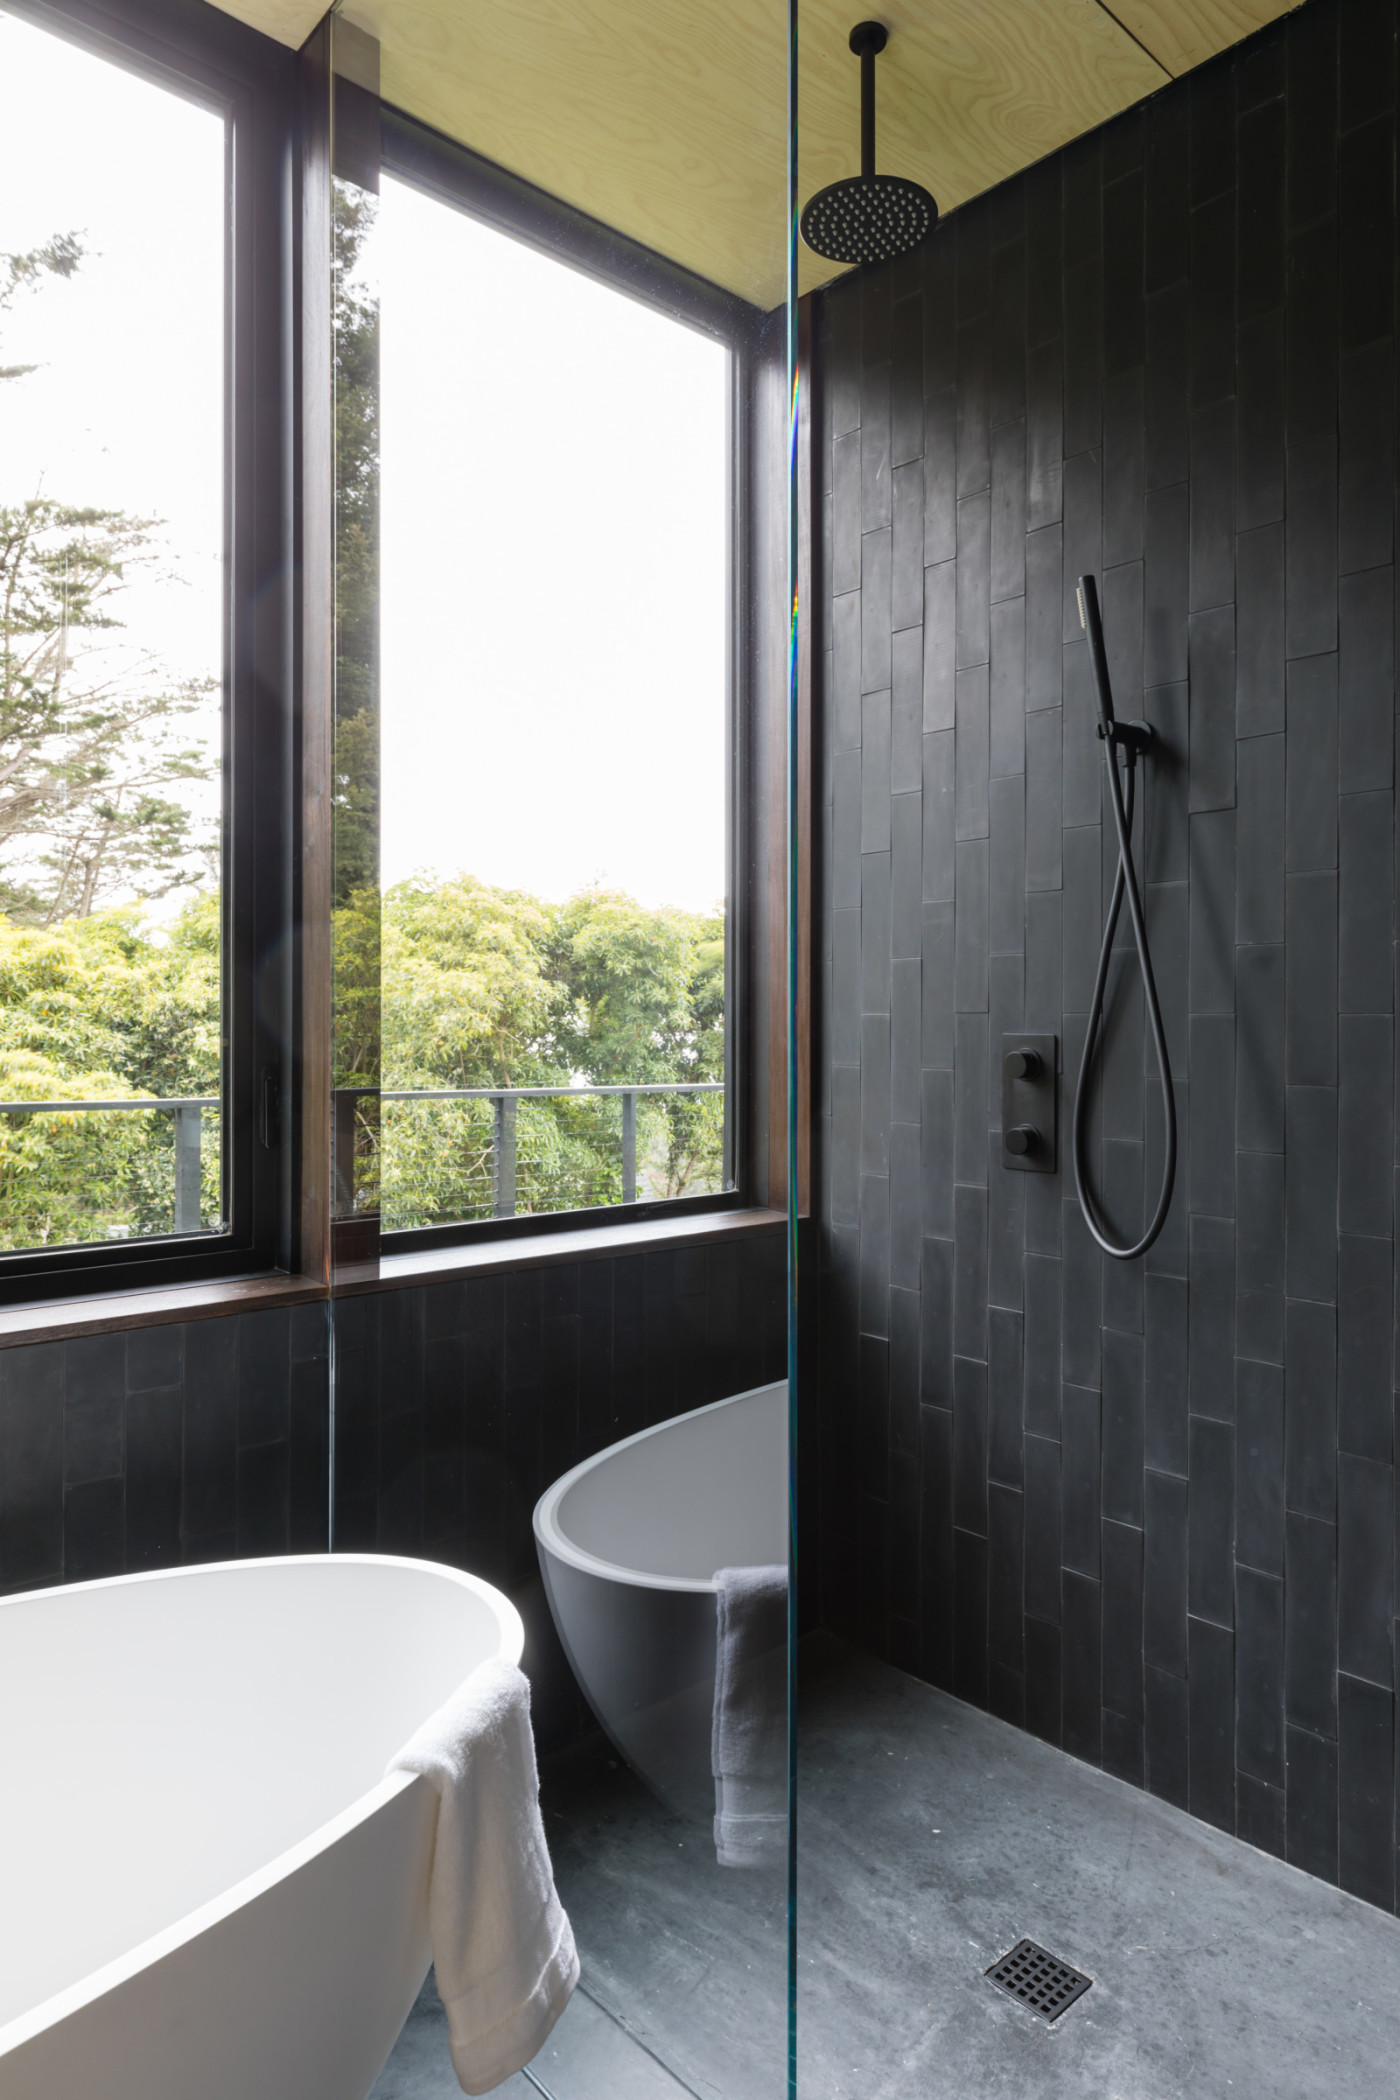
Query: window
x,y
133,661
555,642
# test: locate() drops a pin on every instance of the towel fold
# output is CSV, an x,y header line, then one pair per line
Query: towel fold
x,y
748,1742
502,1945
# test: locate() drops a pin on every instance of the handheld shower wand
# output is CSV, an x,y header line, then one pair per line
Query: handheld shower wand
x,y
1134,740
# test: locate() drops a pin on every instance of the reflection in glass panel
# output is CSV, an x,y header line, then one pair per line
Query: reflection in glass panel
x,y
556,692
112,373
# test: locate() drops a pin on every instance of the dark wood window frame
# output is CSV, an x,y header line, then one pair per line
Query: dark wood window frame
x,y
465,181
196,50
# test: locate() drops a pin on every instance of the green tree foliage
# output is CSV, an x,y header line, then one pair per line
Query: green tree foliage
x,y
93,747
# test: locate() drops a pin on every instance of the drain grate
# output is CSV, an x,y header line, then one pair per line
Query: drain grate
x,y
1040,1981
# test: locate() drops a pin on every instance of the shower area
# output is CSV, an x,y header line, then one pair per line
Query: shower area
x,y
818,1021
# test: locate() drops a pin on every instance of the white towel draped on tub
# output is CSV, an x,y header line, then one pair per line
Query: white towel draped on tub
x,y
502,1945
748,1744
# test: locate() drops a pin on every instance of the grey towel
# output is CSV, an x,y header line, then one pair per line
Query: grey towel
x,y
748,1743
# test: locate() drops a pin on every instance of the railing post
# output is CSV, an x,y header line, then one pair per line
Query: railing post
x,y
189,1118
629,1146
504,1163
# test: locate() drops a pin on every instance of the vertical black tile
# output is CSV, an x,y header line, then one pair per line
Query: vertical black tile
x,y
1041,1496
1259,1250
1259,427
1211,1680
1312,765
1212,987
970,1273
1043,800
1212,1318
154,1451
1310,1407
1082,1695
1004,1460
1166,1734
1123,1620
1311,527
1310,1632
1366,457
1311,1019
1044,617
1260,994
1365,1286
31,1465
1080,1493
1008,687
1166,1368
1212,1499
1312,1803
1260,1815
1259,1498
1124,467
1366,1791
1365,1123
1364,899
1043,1679
1211,1148
1042,1345
1259,1745
1365,1568
94,1530
1366,675
1122,1427
1259,841
1312,1193
970,1617
1260,250
1005,1578
936,1543
1167,402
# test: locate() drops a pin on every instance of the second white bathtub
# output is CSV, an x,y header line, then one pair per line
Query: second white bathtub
x,y
629,1544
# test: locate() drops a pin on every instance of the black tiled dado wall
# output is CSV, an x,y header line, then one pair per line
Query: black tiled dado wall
x,y
458,1403
199,1441
1144,1510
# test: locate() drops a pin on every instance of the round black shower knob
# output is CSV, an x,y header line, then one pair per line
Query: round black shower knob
x,y
1023,1139
1023,1064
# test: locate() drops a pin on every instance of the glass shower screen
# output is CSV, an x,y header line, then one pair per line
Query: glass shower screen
x,y
560,342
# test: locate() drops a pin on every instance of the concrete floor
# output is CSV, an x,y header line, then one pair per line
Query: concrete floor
x,y
931,1838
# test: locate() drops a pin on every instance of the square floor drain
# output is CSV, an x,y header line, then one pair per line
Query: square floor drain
x,y
1040,1981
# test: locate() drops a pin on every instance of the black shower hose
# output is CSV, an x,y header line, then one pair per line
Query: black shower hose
x,y
1134,739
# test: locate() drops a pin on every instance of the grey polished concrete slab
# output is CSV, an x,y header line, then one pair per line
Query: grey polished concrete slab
x,y
588,2056
932,1837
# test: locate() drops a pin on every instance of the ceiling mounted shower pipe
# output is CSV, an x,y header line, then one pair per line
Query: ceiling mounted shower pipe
x,y
1134,740
867,217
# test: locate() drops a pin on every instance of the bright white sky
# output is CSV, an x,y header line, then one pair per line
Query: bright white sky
x,y
554,489
126,411
554,593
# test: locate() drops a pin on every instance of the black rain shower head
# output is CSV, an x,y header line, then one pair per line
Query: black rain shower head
x,y
868,217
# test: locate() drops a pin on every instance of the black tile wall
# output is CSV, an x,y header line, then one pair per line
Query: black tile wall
x,y
1147,1513
204,1440
458,1403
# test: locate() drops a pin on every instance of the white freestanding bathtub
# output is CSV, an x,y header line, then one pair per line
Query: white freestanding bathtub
x,y
208,1889
629,1545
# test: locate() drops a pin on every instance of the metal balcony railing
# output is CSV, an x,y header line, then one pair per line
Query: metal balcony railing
x,y
188,1111
504,1098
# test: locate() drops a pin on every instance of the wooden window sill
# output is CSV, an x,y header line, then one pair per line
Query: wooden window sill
x,y
64,1318
587,1243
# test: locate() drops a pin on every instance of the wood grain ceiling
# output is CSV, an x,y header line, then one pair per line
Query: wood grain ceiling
x,y
666,118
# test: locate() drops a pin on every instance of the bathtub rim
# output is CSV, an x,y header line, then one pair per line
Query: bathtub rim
x,y
550,1539
60,2005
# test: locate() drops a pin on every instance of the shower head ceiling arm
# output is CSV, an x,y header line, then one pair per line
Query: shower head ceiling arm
x,y
868,39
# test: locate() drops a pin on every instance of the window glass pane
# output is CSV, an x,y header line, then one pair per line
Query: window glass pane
x,y
112,302
555,590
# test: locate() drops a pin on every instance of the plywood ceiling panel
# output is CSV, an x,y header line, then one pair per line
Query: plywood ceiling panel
x,y
1184,33
667,118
